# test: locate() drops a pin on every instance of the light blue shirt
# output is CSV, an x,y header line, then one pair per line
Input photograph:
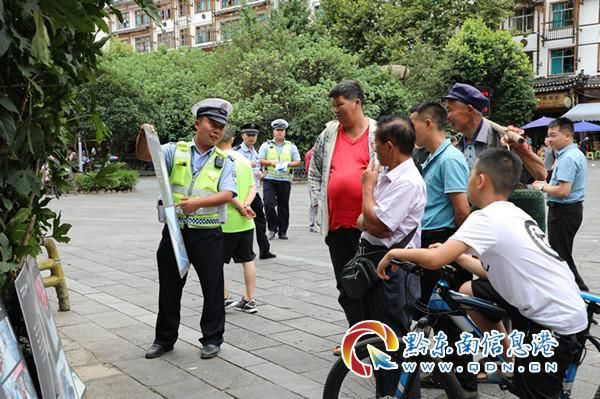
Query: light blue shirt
x,y
444,172
571,167
227,180
262,154
251,155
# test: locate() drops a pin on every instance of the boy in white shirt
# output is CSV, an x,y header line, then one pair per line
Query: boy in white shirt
x,y
525,274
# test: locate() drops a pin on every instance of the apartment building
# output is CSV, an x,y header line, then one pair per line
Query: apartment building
x,y
192,23
562,40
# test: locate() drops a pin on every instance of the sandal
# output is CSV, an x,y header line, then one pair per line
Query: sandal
x,y
337,351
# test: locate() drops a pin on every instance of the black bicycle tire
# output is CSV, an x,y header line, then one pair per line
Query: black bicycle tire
x,y
597,395
339,371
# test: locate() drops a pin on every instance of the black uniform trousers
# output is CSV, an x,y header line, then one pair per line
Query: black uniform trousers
x,y
261,225
343,244
428,281
563,222
205,251
277,195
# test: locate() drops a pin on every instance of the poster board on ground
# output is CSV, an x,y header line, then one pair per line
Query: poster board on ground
x,y
15,380
57,378
160,168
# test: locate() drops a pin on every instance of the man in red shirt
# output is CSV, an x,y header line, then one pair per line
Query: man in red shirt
x,y
340,155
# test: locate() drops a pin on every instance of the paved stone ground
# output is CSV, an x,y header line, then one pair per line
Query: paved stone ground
x,y
284,351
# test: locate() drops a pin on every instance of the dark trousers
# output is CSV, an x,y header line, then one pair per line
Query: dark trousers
x,y
277,195
563,222
343,244
205,251
261,225
428,281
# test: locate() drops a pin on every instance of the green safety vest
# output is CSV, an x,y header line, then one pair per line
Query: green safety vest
x,y
204,184
244,176
284,156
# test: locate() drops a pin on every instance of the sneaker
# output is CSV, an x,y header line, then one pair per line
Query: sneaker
x,y
272,235
229,302
246,306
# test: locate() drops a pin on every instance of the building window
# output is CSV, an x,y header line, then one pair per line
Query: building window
x,y
229,3
522,20
202,6
165,12
184,37
562,61
142,44
125,23
562,14
203,34
228,28
141,18
183,8
168,39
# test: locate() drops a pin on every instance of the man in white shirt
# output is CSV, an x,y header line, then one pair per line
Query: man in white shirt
x,y
392,210
526,274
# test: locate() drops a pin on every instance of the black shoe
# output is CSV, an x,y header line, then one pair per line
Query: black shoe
x,y
271,235
157,350
209,351
283,236
267,255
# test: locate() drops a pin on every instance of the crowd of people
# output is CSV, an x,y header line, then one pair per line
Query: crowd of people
x,y
370,194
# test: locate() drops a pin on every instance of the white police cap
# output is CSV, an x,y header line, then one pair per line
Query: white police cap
x,y
215,109
279,124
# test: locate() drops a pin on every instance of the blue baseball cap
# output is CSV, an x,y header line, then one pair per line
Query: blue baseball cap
x,y
469,95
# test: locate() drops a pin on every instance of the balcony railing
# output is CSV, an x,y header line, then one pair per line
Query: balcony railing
x,y
556,30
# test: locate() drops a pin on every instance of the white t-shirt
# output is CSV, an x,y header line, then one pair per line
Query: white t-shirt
x,y
524,270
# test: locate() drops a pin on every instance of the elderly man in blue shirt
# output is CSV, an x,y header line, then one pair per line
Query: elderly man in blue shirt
x,y
249,134
566,192
202,180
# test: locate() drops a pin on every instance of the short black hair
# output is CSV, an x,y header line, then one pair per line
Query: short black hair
x,y
434,111
563,124
503,168
398,130
349,89
228,135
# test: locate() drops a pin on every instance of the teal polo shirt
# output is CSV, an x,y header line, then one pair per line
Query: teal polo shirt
x,y
571,167
444,172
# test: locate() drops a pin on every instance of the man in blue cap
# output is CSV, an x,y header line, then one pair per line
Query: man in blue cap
x,y
465,105
278,156
202,180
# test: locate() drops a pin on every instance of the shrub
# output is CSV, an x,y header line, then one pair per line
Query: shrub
x,y
119,180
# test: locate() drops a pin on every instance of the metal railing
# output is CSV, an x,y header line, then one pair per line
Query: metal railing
x,y
563,29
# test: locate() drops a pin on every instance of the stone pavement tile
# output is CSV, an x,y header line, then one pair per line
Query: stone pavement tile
x,y
139,282
239,357
303,341
190,388
148,319
117,275
105,298
284,378
118,290
290,290
323,300
270,275
275,313
247,340
316,327
305,275
114,350
262,390
291,358
89,306
319,312
143,300
281,301
86,333
139,334
152,372
320,375
256,322
68,318
96,371
79,287
118,387
131,309
112,319
221,374
96,282
80,357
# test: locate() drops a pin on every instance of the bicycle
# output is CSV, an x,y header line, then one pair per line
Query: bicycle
x,y
341,383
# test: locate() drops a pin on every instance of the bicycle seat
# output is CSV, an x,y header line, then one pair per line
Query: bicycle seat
x,y
467,302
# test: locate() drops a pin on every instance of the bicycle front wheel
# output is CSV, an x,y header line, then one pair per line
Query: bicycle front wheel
x,y
341,383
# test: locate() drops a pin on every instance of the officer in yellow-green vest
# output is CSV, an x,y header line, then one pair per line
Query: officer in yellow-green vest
x,y
278,156
202,180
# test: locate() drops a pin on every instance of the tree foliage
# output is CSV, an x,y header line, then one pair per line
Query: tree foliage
x,y
483,57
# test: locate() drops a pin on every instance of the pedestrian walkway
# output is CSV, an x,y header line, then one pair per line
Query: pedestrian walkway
x,y
283,351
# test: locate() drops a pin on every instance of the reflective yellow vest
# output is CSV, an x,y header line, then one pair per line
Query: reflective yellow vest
x,y
205,183
284,156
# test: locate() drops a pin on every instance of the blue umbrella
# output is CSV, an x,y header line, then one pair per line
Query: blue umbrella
x,y
541,122
584,126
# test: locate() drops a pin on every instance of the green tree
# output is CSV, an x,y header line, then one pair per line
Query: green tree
x,y
483,57
385,31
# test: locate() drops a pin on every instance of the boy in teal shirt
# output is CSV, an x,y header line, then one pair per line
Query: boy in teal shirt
x,y
238,230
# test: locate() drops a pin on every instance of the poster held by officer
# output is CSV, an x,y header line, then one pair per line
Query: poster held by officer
x,y
168,205
57,379
15,380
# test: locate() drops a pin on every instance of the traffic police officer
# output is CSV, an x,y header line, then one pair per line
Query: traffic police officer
x,y
202,180
278,156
